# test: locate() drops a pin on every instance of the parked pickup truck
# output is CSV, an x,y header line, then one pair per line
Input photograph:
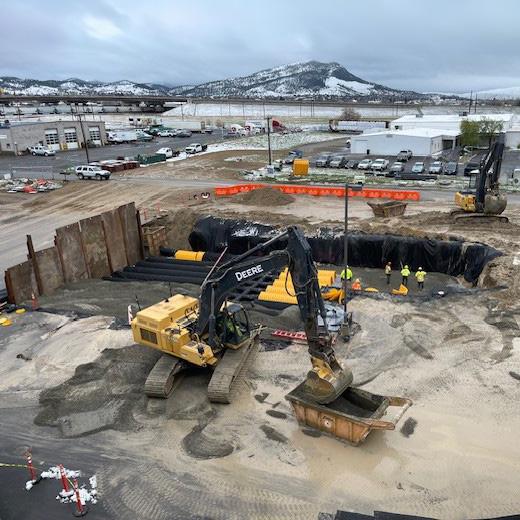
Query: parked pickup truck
x,y
39,149
196,148
92,172
293,154
168,152
404,155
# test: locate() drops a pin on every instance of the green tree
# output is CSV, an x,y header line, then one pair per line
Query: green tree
x,y
489,128
470,132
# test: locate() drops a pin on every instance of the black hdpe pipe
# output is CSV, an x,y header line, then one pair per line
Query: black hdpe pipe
x,y
152,278
173,261
174,268
197,278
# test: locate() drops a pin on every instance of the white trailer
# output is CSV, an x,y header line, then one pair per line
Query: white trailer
x,y
122,136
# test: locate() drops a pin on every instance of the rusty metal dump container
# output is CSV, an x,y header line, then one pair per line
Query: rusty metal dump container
x,y
351,417
392,208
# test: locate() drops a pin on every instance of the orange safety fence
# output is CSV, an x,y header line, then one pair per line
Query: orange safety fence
x,y
320,191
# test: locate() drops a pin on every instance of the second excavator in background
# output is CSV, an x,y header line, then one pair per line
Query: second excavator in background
x,y
483,198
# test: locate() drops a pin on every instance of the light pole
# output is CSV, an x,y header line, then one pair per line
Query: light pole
x,y
268,118
345,326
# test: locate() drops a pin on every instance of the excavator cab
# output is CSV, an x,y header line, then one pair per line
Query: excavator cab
x,y
233,326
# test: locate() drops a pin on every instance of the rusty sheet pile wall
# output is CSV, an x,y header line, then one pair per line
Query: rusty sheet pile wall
x,y
91,248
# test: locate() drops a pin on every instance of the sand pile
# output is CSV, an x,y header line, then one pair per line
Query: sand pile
x,y
263,197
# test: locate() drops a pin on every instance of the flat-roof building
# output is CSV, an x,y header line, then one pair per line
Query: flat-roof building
x,y
16,137
421,141
448,121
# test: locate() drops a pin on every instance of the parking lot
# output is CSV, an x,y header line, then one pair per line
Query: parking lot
x,y
47,167
510,161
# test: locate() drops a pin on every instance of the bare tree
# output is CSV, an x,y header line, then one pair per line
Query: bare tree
x,y
349,114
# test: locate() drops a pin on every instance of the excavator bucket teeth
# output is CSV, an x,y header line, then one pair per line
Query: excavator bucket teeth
x,y
324,391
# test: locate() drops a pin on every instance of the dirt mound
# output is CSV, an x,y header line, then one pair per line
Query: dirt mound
x,y
263,197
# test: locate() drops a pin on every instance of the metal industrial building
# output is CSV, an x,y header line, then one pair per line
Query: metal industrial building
x,y
421,141
16,137
510,123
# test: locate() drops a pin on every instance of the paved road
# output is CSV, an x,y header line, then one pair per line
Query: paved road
x,y
47,167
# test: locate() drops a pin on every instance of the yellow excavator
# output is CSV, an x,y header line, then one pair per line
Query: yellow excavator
x,y
483,199
213,333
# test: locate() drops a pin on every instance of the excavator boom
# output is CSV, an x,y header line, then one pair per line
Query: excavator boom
x,y
327,379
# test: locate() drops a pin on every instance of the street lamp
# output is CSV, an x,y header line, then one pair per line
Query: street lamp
x,y
345,326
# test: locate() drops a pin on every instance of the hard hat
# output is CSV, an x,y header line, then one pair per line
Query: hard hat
x,y
357,280
406,267
420,269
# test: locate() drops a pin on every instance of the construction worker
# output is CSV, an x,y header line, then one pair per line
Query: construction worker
x,y
420,275
356,286
346,273
405,273
388,272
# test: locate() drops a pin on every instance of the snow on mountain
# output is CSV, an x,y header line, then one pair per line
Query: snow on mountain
x,y
28,87
497,93
309,79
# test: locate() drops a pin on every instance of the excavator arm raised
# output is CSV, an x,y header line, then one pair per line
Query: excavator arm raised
x,y
327,379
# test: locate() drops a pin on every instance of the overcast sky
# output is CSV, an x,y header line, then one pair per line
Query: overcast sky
x,y
441,45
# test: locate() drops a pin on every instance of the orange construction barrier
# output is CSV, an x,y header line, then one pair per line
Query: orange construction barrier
x,y
320,191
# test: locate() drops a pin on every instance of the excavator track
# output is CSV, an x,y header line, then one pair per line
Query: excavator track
x,y
163,376
481,217
227,370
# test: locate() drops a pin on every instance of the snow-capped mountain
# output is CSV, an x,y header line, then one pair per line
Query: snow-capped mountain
x,y
310,79
496,93
35,87
303,80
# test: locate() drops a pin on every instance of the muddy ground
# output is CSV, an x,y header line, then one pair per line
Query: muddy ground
x,y
75,393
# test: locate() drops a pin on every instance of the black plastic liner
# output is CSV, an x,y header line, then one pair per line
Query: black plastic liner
x,y
452,257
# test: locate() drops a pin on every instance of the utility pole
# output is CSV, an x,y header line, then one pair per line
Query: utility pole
x,y
268,119
345,326
470,101
83,134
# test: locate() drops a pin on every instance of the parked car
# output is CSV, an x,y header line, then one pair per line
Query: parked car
x,y
92,172
184,133
143,136
404,155
435,167
365,164
196,148
166,133
168,152
39,149
397,167
452,168
338,161
323,160
418,167
293,154
470,167
352,164
379,165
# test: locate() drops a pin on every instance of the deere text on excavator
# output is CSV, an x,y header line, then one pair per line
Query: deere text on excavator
x,y
212,332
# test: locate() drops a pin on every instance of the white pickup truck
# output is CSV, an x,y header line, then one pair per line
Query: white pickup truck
x,y
92,172
196,148
39,149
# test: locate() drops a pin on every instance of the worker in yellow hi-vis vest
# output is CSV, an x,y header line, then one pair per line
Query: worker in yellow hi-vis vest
x,y
346,274
420,275
405,273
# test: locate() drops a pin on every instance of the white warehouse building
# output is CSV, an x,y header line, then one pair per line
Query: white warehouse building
x,y
421,141
510,123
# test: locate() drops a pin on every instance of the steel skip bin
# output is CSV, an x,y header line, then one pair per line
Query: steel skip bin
x,y
351,417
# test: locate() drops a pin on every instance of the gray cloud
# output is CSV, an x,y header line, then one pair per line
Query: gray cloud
x,y
445,45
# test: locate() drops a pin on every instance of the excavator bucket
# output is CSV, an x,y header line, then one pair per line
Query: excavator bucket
x,y
325,388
